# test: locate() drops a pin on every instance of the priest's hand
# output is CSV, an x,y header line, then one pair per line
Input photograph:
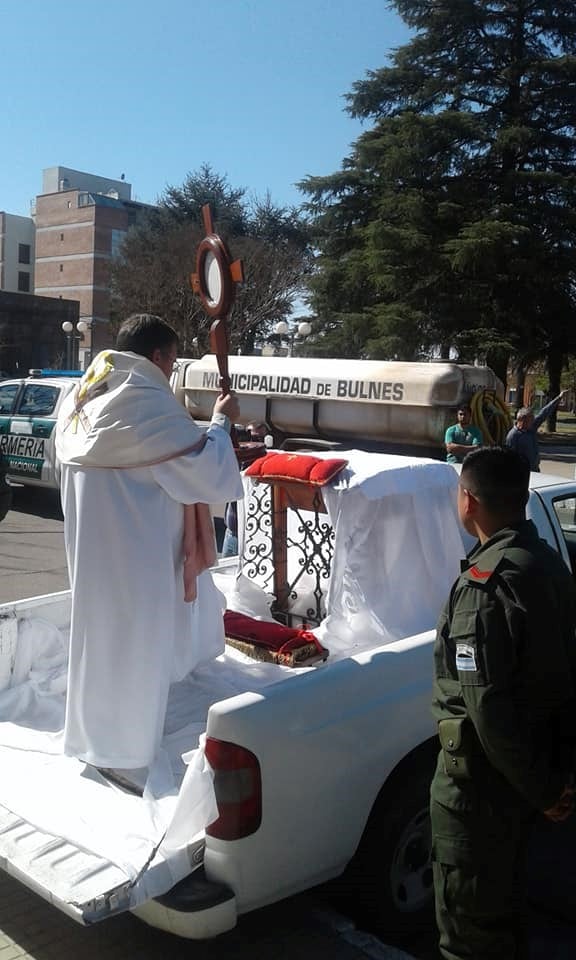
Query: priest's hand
x,y
563,807
228,405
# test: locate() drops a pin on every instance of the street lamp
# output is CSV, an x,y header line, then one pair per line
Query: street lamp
x,y
84,326
291,334
68,329
74,335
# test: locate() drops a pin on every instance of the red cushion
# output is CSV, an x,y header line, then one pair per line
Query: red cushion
x,y
266,633
296,467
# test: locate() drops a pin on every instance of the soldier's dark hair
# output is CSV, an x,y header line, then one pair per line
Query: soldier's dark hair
x,y
143,333
498,477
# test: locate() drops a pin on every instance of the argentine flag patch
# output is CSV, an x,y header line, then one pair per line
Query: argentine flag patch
x,y
465,658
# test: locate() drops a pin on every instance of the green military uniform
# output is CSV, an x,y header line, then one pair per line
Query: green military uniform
x,y
505,702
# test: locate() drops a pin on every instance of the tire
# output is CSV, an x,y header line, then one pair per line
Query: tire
x,y
389,879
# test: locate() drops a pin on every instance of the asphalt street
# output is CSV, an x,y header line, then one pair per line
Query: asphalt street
x,y
299,929
32,562
32,558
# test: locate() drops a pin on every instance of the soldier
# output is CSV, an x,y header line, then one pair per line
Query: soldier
x,y
505,701
5,488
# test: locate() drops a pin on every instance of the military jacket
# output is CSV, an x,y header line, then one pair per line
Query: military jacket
x,y
505,659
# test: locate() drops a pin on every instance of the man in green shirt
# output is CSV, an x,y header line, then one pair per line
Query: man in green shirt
x,y
461,436
505,702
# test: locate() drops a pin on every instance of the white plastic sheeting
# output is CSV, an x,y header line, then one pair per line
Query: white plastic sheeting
x,y
66,798
397,551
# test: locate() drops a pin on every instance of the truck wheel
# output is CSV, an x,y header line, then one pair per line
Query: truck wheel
x,y
391,873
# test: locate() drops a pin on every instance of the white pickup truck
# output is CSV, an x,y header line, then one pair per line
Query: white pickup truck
x,y
294,775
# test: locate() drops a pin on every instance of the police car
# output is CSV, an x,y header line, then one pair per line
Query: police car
x,y
29,409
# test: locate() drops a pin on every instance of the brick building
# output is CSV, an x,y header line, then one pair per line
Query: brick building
x,y
81,221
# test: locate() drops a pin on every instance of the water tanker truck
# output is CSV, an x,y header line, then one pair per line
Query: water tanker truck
x,y
372,404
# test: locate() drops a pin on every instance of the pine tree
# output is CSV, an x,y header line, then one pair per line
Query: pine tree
x,y
453,221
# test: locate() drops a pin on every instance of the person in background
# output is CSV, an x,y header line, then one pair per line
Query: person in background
x,y
504,698
5,488
461,436
256,433
134,463
523,437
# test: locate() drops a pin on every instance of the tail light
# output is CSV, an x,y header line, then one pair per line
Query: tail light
x,y
238,788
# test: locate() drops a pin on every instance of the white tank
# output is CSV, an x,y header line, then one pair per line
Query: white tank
x,y
352,401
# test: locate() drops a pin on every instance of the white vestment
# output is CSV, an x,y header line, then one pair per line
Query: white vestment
x,y
131,633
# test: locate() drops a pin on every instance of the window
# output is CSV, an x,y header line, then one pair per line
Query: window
x,y
23,253
116,240
8,396
565,511
61,267
38,400
23,281
61,236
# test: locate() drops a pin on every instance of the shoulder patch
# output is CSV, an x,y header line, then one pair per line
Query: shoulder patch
x,y
466,658
480,573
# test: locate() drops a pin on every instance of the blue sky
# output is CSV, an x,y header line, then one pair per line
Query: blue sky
x,y
152,90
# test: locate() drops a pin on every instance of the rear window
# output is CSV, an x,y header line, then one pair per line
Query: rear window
x,y
565,510
38,400
7,396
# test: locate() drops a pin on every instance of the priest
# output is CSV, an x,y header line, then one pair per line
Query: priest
x,y
137,474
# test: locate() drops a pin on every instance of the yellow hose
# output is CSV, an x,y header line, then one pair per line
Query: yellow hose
x,y
491,416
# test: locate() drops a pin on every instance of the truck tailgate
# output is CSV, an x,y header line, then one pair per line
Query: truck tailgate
x,y
82,885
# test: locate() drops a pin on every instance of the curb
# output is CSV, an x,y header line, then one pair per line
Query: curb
x,y
367,943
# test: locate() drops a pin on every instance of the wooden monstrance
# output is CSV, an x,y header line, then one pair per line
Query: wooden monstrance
x,y
215,282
